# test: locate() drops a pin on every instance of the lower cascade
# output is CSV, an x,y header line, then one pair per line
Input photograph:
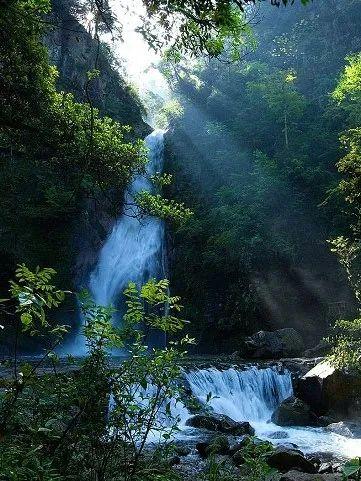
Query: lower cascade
x,y
253,395
250,395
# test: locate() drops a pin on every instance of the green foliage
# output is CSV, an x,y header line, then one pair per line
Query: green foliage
x,y
347,94
59,156
169,209
346,352
348,90
18,465
254,466
255,456
348,252
218,470
34,294
55,152
61,425
352,469
347,337
349,165
169,111
199,27
162,179
253,155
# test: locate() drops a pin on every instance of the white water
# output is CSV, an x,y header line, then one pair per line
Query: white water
x,y
252,395
165,421
133,250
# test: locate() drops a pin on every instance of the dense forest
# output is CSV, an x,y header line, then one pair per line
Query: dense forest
x,y
254,152
180,282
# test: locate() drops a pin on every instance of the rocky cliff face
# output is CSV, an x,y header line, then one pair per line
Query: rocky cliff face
x,y
74,51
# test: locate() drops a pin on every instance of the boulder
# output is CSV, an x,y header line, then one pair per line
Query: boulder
x,y
324,388
323,457
322,348
299,476
202,448
240,444
290,446
326,420
182,448
220,423
284,459
325,468
314,460
217,445
174,460
294,412
274,344
344,428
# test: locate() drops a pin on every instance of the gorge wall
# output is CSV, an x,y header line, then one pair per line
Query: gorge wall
x,y
75,51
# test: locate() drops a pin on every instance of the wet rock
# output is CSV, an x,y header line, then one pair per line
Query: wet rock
x,y
285,459
326,389
325,468
217,445
182,448
294,412
344,428
220,423
190,468
324,457
235,356
290,445
274,344
337,467
300,366
326,420
174,460
294,475
314,460
322,348
278,435
240,444
202,448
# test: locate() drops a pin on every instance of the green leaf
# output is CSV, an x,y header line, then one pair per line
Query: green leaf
x,y
143,383
44,430
351,467
26,319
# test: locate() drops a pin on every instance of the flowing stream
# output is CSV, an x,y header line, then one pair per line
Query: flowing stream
x,y
253,395
134,251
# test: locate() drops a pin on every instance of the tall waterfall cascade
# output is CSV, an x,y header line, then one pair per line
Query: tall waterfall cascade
x,y
134,249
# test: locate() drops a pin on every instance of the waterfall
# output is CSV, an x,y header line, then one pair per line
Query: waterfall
x,y
253,395
250,395
133,250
